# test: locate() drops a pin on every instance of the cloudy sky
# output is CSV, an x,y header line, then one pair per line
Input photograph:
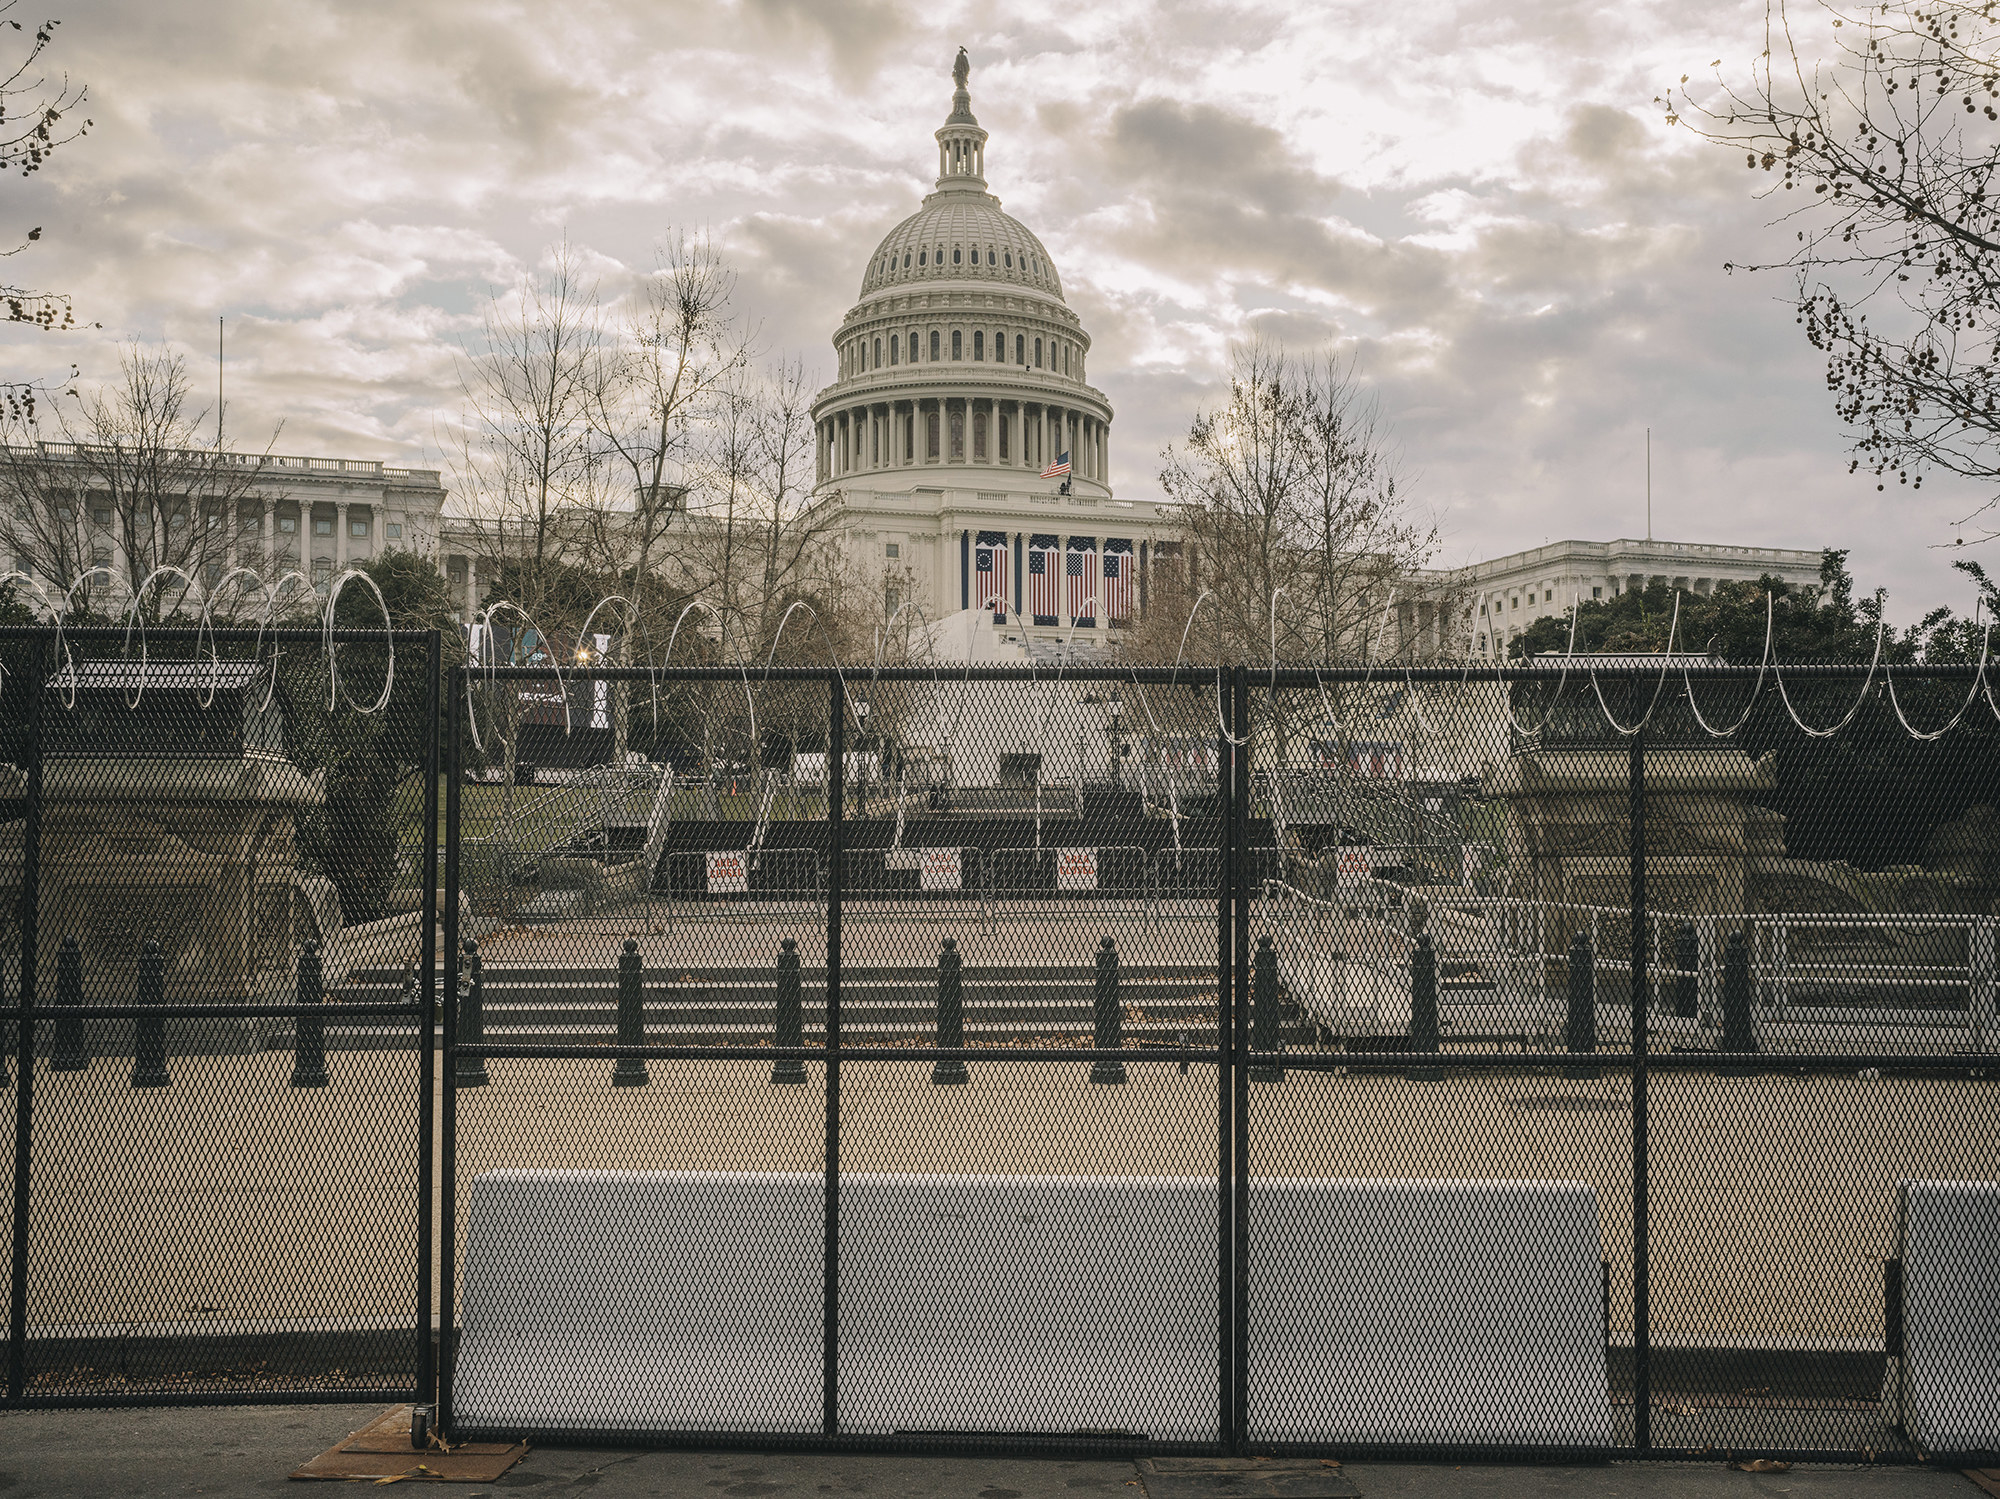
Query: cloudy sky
x,y
1479,202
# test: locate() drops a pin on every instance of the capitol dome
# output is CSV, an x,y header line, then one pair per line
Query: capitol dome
x,y
961,441
958,237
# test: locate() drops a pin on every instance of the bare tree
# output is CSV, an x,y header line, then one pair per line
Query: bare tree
x,y
758,541
37,116
681,344
1294,524
120,490
528,468
1881,159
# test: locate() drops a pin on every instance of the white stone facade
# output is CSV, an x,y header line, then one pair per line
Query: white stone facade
x,y
1512,592
962,377
275,514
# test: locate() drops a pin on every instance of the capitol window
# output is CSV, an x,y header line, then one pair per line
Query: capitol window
x,y
957,435
1000,427
906,260
1020,348
979,435
931,435
892,348
934,346
957,344
1010,260
957,256
920,257
978,344
878,353
1038,353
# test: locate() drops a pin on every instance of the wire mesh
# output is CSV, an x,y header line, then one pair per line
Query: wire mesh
x,y
222,1165
1574,1058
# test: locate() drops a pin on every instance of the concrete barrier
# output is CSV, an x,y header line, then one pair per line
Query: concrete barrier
x,y
1944,1372
1432,1312
1381,1311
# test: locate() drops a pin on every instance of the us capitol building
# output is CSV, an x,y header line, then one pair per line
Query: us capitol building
x,y
962,380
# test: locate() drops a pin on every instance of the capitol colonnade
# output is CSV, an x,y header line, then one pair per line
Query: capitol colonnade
x,y
990,429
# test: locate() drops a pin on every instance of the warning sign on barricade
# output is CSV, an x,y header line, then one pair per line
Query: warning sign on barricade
x,y
1076,869
729,873
1354,865
941,870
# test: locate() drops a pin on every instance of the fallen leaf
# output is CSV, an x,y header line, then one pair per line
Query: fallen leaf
x,y
1763,1465
1327,1462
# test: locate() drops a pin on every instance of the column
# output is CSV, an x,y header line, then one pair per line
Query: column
x,y
471,585
270,537
339,537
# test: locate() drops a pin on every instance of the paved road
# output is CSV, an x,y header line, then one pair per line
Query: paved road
x,y
245,1454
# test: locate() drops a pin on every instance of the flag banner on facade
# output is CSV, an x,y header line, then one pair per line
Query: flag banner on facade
x,y
1044,599
1118,565
1080,571
990,558
1057,469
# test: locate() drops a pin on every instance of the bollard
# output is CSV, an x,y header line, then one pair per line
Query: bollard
x,y
791,1015
1581,1034
1738,1034
1687,958
309,1031
69,1053
1424,1008
630,1072
950,1012
149,1032
1110,1015
1266,1020
471,1071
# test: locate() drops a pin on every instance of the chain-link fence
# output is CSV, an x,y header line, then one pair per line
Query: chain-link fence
x,y
218,867
1523,1061
1592,1057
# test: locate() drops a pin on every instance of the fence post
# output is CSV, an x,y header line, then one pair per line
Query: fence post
x,y
309,1031
1687,985
791,1015
950,1013
1739,1033
1266,1019
1582,1032
149,1032
28,924
1109,1015
630,1072
426,1078
472,1018
836,873
445,1017
1642,1243
69,1054
1424,1008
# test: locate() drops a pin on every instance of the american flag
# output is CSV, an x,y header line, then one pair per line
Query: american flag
x,y
1117,581
1080,567
990,591
1057,469
1043,600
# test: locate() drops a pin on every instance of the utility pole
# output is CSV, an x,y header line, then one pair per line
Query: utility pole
x,y
218,385
1649,484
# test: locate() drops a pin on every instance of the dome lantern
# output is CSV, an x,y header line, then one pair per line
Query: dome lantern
x,y
961,143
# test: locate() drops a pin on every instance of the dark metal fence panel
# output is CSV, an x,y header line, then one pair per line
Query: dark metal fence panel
x,y
221,1140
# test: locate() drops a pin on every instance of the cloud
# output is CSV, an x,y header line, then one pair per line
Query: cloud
x,y
1480,206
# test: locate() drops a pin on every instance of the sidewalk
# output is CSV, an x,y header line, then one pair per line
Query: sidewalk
x,y
243,1452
